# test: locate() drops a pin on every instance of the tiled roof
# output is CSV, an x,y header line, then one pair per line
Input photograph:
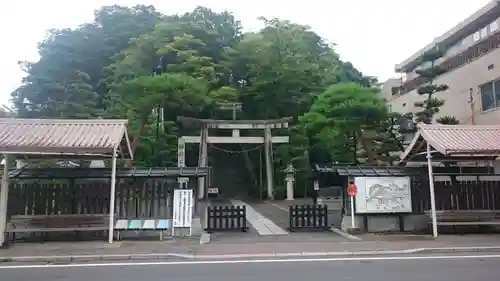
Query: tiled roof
x,y
457,140
367,171
462,139
63,137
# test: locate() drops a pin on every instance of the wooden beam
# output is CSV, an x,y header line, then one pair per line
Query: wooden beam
x,y
235,124
196,139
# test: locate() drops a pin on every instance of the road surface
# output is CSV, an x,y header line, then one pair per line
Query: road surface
x,y
434,268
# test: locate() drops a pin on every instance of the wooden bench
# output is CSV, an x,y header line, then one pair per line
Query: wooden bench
x,y
58,223
467,217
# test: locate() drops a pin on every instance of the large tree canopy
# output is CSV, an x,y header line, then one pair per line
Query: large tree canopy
x,y
347,118
133,62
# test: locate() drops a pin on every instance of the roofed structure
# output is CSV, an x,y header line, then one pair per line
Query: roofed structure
x,y
63,138
454,143
367,171
86,173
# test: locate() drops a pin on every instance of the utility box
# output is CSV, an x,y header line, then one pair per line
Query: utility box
x,y
332,198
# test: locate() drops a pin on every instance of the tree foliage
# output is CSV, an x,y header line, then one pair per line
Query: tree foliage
x,y
354,117
132,61
430,105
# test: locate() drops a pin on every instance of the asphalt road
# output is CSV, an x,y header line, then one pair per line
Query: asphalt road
x,y
387,269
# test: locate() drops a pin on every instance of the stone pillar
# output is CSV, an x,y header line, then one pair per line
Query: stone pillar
x,y
316,191
4,195
202,160
181,160
269,167
289,179
289,190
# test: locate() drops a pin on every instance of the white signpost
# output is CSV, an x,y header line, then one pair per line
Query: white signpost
x,y
183,209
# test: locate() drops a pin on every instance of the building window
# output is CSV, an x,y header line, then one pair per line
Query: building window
x,y
496,88
476,36
484,32
493,26
404,77
490,95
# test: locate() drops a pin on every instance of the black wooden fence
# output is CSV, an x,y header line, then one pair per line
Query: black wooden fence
x,y
308,217
226,218
461,195
134,199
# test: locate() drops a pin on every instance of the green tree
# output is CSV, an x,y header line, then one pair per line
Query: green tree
x,y
343,116
65,82
430,106
129,62
137,98
176,45
448,120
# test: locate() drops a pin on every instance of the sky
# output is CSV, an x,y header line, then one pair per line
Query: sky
x,y
373,35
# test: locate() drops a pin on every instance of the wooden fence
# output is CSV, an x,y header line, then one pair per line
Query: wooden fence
x,y
464,195
140,199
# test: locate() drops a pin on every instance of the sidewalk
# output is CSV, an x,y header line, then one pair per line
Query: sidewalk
x,y
347,248
100,248
191,249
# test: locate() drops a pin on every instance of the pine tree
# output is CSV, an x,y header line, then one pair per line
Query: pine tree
x,y
448,120
430,106
383,140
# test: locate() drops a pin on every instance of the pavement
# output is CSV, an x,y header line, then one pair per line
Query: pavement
x,y
401,268
251,244
49,250
191,249
259,222
268,223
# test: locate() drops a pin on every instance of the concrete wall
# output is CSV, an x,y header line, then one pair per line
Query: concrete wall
x,y
381,223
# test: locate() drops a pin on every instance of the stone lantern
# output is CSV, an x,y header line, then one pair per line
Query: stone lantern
x,y
289,179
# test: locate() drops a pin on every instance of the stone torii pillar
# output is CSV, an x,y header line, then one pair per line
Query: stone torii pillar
x,y
235,126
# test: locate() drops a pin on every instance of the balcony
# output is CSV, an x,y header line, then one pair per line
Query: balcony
x,y
478,50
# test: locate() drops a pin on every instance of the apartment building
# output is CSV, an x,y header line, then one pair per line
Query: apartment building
x,y
472,60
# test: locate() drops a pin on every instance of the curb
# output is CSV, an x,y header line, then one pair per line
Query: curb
x,y
459,249
345,234
205,238
86,258
124,257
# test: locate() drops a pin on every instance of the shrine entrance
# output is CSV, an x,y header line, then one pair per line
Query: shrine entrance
x,y
260,143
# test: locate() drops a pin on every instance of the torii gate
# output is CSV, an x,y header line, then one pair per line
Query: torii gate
x,y
235,126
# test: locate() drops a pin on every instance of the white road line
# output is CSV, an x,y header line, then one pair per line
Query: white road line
x,y
262,225
210,262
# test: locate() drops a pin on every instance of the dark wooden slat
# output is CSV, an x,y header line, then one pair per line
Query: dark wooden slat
x,y
226,218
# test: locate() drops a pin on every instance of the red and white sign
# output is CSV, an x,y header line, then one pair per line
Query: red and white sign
x,y
352,190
